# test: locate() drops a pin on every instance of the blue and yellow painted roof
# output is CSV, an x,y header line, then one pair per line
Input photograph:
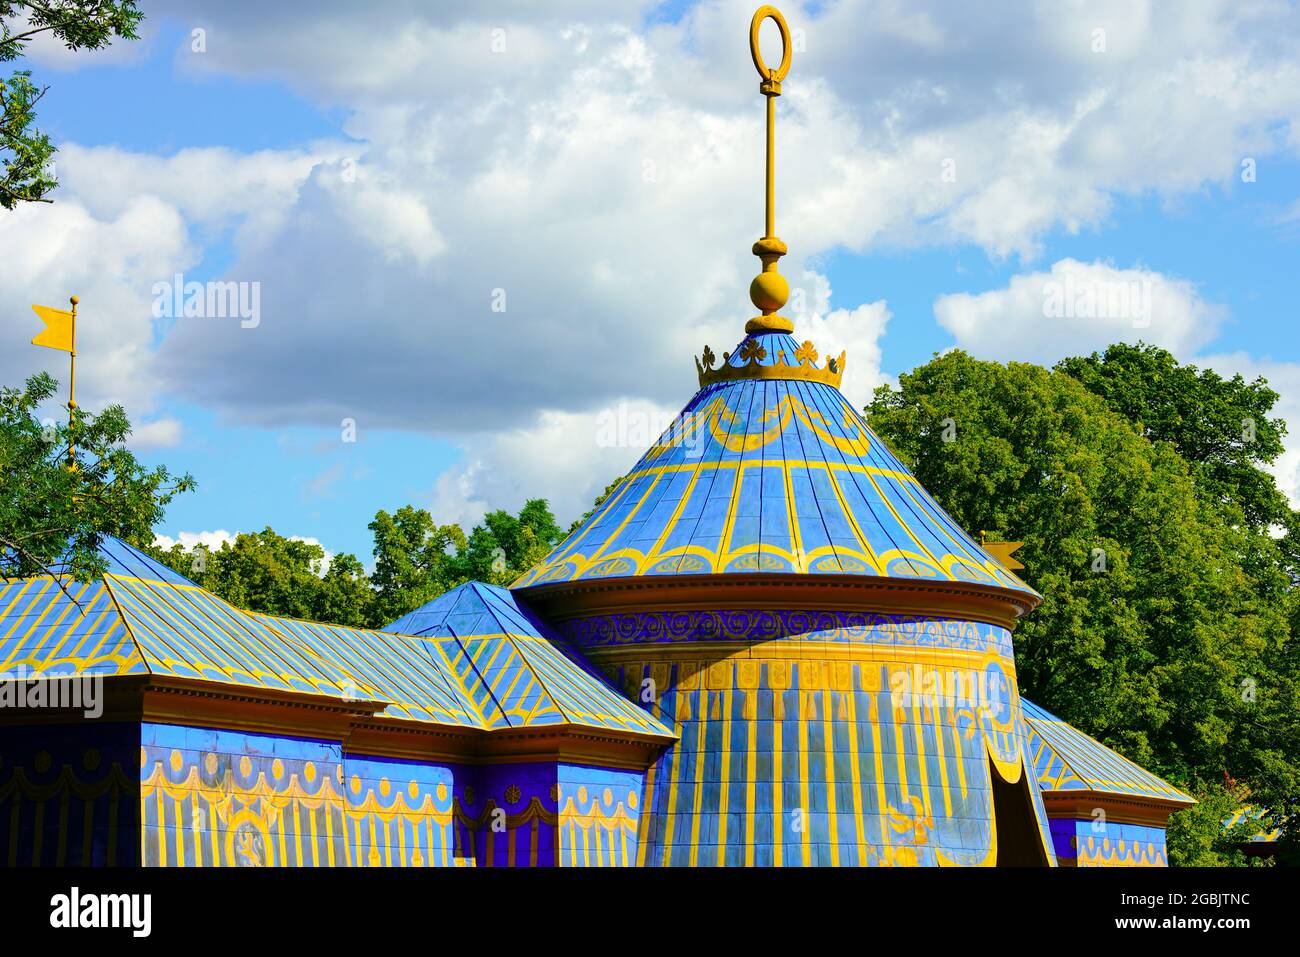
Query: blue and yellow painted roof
x,y
770,475
1066,759
520,675
141,618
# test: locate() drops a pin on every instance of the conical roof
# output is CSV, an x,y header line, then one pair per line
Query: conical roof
x,y
769,469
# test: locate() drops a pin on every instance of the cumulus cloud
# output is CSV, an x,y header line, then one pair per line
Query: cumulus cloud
x,y
566,457
1031,319
584,193
1076,308
549,207
211,540
159,434
49,253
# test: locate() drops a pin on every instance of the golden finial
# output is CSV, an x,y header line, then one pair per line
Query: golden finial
x,y
769,290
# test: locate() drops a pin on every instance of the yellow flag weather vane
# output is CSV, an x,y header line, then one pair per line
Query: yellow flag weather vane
x,y
1001,551
61,333
769,290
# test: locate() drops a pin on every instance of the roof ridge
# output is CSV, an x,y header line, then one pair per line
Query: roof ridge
x,y
109,584
461,681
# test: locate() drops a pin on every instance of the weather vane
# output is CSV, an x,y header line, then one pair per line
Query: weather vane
x,y
61,333
769,290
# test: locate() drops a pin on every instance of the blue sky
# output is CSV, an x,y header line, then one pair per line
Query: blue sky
x,y
480,413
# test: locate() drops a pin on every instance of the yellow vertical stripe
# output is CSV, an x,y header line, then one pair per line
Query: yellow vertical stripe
x,y
942,758
162,827
778,824
881,797
834,835
750,786
177,805
702,719
805,697
724,776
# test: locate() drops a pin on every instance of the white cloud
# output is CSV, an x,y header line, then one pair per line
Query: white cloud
x,y
566,457
50,252
158,434
607,177
569,457
211,540
44,50
1076,308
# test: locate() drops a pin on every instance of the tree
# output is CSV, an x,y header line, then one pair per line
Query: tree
x,y
413,560
504,546
53,515
80,25
1151,628
346,595
266,572
1221,427
1224,429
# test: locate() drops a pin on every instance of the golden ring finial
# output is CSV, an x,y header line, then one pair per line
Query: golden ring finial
x,y
769,290
771,85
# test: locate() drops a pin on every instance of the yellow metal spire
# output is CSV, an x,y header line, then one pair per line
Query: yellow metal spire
x,y
769,290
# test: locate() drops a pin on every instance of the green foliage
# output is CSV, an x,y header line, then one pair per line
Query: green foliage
x,y
26,152
1164,626
1221,427
79,25
416,560
413,560
1195,837
50,513
268,573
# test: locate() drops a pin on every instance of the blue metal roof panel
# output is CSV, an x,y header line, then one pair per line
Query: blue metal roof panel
x,y
770,475
1066,759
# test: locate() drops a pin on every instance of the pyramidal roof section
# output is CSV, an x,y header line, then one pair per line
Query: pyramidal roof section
x,y
129,561
520,673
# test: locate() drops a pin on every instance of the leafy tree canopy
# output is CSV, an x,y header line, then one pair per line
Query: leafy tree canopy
x,y
50,513
80,25
1164,625
268,573
1221,427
